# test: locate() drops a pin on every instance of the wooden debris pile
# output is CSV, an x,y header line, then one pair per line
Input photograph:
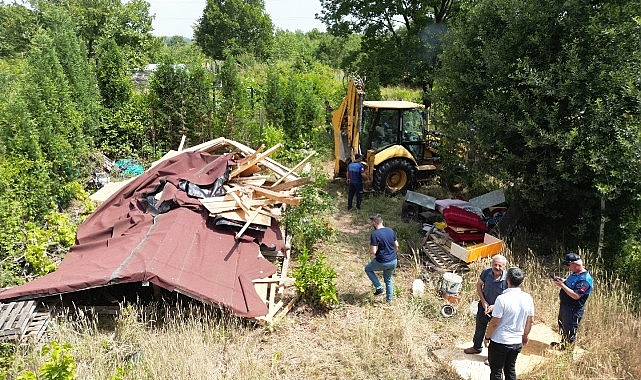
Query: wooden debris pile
x,y
252,195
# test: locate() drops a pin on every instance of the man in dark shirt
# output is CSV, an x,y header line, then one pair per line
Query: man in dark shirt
x,y
573,293
383,248
491,283
355,179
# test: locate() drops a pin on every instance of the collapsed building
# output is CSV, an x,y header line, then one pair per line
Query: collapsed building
x,y
202,222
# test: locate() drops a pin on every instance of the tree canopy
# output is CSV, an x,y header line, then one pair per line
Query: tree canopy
x,y
234,26
545,95
401,39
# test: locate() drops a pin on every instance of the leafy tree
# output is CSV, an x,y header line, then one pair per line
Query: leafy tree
x,y
113,79
234,26
50,123
78,72
233,116
179,104
295,98
128,23
17,26
400,40
546,96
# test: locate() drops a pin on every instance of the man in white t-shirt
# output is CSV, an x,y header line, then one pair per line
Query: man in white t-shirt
x,y
509,327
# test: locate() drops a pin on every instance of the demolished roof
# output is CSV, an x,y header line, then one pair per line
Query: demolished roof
x,y
194,223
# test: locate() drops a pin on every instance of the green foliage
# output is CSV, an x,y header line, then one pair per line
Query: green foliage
x,y
42,243
78,72
59,365
304,221
179,104
550,105
111,71
7,355
125,132
54,124
314,280
295,98
233,114
401,93
234,26
17,25
400,41
128,23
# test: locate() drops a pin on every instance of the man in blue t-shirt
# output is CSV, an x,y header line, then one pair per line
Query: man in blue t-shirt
x,y
355,179
383,248
573,293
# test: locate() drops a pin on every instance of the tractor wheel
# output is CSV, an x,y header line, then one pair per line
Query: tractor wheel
x,y
394,176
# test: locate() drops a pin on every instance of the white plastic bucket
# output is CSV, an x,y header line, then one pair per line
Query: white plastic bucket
x,y
418,287
451,283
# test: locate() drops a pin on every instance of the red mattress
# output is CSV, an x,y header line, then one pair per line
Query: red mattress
x,y
455,216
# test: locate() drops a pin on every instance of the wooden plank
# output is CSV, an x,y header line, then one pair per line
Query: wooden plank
x,y
268,280
284,268
6,309
272,294
232,193
241,216
250,220
252,156
261,289
26,315
209,146
15,313
291,184
10,334
267,162
218,207
275,195
294,168
255,181
248,163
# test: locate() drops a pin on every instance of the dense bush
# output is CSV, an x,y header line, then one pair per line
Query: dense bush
x,y
314,280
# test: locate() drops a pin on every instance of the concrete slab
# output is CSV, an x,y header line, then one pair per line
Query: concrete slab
x,y
472,367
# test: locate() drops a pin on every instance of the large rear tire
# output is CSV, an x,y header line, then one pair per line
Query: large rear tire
x,y
394,176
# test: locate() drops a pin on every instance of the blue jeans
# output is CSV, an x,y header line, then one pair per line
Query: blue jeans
x,y
355,189
388,271
502,359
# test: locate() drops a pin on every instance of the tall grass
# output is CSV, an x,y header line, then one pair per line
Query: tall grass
x,y
609,333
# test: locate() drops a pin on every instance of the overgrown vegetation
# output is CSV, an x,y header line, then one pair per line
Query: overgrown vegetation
x,y
540,98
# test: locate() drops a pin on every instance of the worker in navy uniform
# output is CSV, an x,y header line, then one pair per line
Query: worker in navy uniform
x,y
573,293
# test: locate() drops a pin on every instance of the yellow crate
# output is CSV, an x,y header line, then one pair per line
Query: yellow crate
x,y
489,247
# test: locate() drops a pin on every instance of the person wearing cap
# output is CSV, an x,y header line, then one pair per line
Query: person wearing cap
x,y
573,293
491,282
383,248
509,327
356,177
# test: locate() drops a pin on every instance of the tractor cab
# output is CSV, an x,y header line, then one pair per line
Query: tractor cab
x,y
389,123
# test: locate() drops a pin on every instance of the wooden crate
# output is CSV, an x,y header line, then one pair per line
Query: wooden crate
x,y
490,246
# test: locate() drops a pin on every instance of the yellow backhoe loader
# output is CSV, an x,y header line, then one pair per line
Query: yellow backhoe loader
x,y
399,151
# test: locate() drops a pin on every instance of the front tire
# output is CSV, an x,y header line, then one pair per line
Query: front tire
x,y
394,176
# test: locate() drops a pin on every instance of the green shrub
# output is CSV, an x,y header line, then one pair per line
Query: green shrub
x,y
7,354
51,240
305,222
314,280
59,365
